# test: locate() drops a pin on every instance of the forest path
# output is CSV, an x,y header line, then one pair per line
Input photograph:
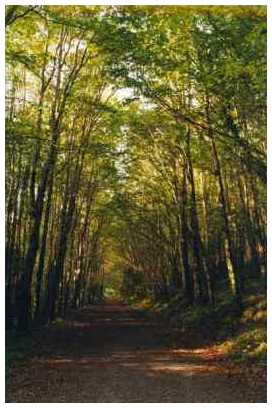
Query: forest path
x,y
110,353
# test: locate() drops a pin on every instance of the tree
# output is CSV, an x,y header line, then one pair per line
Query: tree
x,y
135,139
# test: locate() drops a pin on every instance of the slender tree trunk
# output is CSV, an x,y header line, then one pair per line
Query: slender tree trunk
x,y
189,281
250,233
66,224
34,241
210,265
197,242
41,264
232,262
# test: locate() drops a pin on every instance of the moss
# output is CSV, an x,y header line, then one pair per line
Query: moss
x,y
240,334
59,322
249,345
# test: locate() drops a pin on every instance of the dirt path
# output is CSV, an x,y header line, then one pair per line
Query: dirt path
x,y
108,353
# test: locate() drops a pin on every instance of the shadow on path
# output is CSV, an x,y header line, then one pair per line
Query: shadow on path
x,y
109,353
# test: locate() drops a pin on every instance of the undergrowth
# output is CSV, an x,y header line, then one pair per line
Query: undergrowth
x,y
17,347
240,334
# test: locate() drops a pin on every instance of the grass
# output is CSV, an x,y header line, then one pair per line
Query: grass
x,y
240,335
249,343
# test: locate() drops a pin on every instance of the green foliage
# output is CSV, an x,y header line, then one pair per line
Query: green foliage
x,y
136,158
250,346
241,336
59,322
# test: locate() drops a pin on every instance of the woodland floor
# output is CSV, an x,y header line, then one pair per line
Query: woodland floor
x,y
111,353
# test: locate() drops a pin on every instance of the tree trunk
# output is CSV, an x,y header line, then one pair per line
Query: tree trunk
x,y
189,281
197,242
233,272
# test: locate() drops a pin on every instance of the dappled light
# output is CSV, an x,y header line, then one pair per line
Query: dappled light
x,y
136,203
147,361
